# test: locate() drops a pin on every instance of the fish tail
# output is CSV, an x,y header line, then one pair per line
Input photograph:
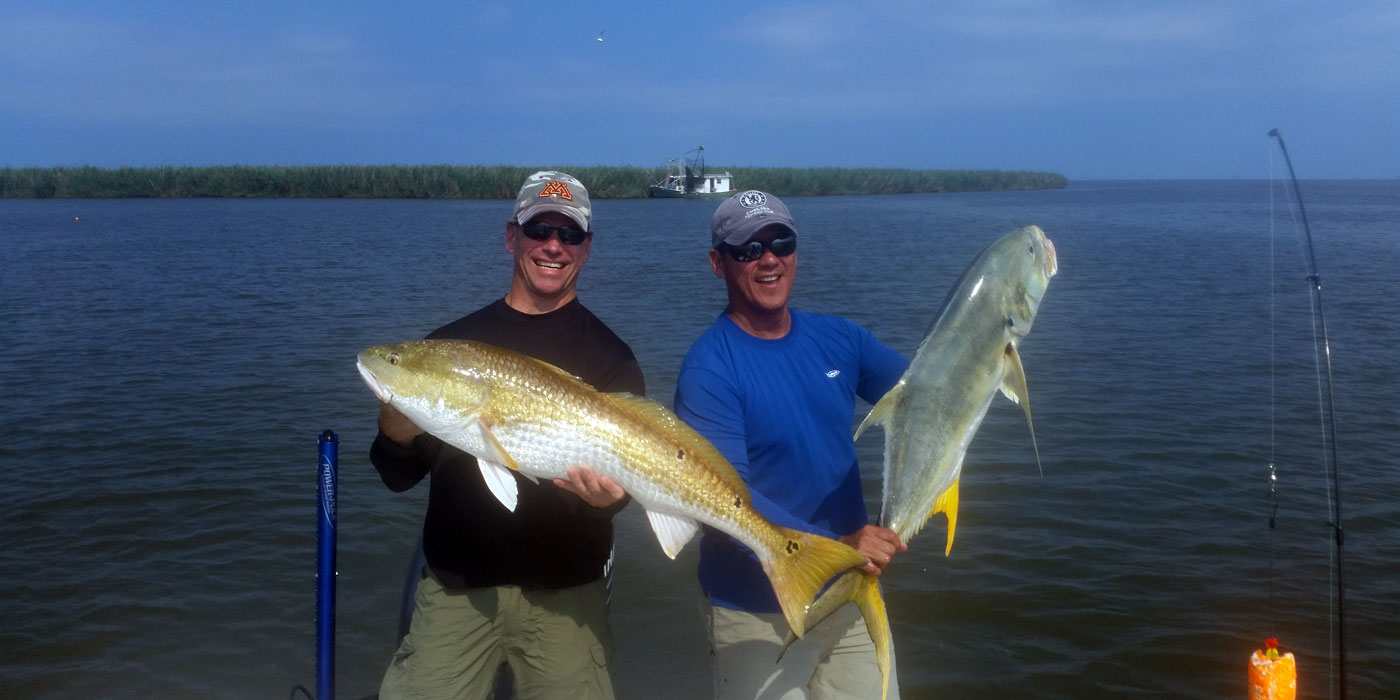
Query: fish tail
x,y
801,566
864,590
872,607
840,592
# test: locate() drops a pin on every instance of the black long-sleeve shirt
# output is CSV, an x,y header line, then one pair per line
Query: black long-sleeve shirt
x,y
553,539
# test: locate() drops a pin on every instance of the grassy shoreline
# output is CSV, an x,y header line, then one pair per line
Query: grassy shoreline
x,y
477,181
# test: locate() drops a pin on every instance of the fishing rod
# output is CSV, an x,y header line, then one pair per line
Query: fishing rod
x,y
1330,422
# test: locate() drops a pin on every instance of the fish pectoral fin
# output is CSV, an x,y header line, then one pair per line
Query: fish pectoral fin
x,y
1013,377
497,468
496,450
501,483
1013,386
948,505
882,410
672,531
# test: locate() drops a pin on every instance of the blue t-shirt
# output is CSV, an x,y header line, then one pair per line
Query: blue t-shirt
x,y
781,412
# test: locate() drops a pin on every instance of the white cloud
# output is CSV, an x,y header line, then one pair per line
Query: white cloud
x,y
803,28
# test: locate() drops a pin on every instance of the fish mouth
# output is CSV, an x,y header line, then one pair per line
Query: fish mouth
x,y
378,387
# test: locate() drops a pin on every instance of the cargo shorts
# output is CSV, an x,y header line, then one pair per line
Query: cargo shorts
x,y
556,643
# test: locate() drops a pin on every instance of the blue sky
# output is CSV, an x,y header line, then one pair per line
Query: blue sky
x,y
1090,89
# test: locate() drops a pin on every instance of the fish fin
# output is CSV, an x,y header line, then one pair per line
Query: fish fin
x,y
500,482
1013,385
555,369
493,469
882,410
689,443
800,567
672,531
497,450
864,590
654,411
840,592
948,503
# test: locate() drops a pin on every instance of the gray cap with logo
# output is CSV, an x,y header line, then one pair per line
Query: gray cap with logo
x,y
551,190
741,216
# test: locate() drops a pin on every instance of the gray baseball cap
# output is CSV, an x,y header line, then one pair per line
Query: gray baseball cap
x,y
551,190
741,216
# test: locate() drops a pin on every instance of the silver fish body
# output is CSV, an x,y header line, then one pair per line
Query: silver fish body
x,y
969,354
933,411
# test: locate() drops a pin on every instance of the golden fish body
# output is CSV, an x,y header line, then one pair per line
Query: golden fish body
x,y
513,412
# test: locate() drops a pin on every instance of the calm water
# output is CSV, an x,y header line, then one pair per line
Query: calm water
x,y
168,365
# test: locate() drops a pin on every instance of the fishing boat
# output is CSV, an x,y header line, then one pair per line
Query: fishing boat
x,y
686,177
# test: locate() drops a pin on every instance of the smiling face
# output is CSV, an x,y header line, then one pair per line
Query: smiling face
x,y
545,271
758,289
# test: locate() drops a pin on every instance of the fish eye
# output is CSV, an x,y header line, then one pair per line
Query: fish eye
x,y
393,358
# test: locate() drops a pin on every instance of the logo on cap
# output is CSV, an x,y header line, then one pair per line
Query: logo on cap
x,y
556,187
752,198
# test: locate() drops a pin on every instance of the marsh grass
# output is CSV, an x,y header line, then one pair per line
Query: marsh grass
x,y
478,181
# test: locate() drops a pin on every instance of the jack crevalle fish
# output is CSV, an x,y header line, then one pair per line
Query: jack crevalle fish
x,y
513,412
931,414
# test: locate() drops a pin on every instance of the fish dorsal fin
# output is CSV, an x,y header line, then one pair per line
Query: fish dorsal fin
x,y
647,407
500,481
948,504
560,371
690,444
1013,386
672,531
882,410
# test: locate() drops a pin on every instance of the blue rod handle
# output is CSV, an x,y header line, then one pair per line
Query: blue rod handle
x,y
325,566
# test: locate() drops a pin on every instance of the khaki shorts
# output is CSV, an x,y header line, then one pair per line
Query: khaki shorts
x,y
835,659
557,644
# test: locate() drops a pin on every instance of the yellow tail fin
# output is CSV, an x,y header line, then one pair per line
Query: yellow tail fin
x,y
799,569
840,592
864,590
872,608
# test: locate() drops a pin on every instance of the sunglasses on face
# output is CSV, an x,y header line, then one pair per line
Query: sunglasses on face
x,y
753,250
542,232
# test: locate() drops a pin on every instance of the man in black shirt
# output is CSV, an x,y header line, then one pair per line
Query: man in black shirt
x,y
526,588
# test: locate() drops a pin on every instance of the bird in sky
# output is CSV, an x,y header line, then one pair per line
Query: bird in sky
x,y
600,36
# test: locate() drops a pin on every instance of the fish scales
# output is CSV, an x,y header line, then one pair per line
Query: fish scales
x,y
592,428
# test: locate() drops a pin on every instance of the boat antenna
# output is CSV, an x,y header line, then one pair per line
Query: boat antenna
x,y
1329,419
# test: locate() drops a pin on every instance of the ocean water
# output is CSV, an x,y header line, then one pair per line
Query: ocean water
x,y
168,366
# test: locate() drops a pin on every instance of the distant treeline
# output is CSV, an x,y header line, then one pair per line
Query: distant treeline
x,y
479,181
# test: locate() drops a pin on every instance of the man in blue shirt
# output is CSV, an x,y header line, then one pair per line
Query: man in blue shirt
x,y
774,389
